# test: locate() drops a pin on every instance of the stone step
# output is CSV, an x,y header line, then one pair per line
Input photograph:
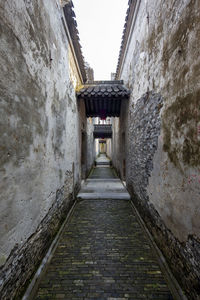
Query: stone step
x,y
104,195
103,188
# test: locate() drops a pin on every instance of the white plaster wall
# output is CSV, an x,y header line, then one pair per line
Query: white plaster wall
x,y
109,148
39,119
90,144
115,144
163,56
96,147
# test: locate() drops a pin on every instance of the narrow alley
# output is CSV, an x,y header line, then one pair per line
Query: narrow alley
x,y
103,251
99,177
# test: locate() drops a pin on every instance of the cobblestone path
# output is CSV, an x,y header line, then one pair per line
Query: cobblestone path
x,y
103,253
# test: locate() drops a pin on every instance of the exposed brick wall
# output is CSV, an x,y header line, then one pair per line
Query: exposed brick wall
x,y
143,141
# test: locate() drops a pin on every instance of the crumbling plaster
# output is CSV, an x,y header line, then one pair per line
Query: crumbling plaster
x,y
162,56
39,117
161,123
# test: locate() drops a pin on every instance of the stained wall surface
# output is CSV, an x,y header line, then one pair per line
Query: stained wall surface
x,y
161,123
109,148
91,155
40,160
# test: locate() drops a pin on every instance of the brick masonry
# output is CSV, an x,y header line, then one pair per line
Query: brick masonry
x,y
143,141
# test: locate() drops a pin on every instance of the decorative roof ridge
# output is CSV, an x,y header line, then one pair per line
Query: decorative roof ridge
x,y
70,19
127,27
96,88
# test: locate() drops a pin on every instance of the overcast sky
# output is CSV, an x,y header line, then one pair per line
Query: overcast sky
x,y
100,25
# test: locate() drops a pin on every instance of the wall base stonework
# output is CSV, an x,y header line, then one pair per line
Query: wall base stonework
x,y
24,260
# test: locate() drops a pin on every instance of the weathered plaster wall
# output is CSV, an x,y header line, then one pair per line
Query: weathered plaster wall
x,y
86,141
109,148
90,144
39,134
96,148
115,144
119,141
161,120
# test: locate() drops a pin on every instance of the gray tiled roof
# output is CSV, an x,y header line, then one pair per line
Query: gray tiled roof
x,y
103,89
103,98
70,18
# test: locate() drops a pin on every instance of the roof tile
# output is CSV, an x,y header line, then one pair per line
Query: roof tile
x,y
72,26
103,89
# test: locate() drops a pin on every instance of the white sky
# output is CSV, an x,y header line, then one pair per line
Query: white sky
x,y
100,26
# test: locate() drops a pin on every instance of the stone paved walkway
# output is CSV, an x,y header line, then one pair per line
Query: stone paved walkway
x,y
102,159
103,183
103,253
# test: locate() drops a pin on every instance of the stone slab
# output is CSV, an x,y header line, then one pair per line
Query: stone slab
x,y
105,195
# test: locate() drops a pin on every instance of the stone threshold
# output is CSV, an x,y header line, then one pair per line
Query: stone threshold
x,y
100,179
104,196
